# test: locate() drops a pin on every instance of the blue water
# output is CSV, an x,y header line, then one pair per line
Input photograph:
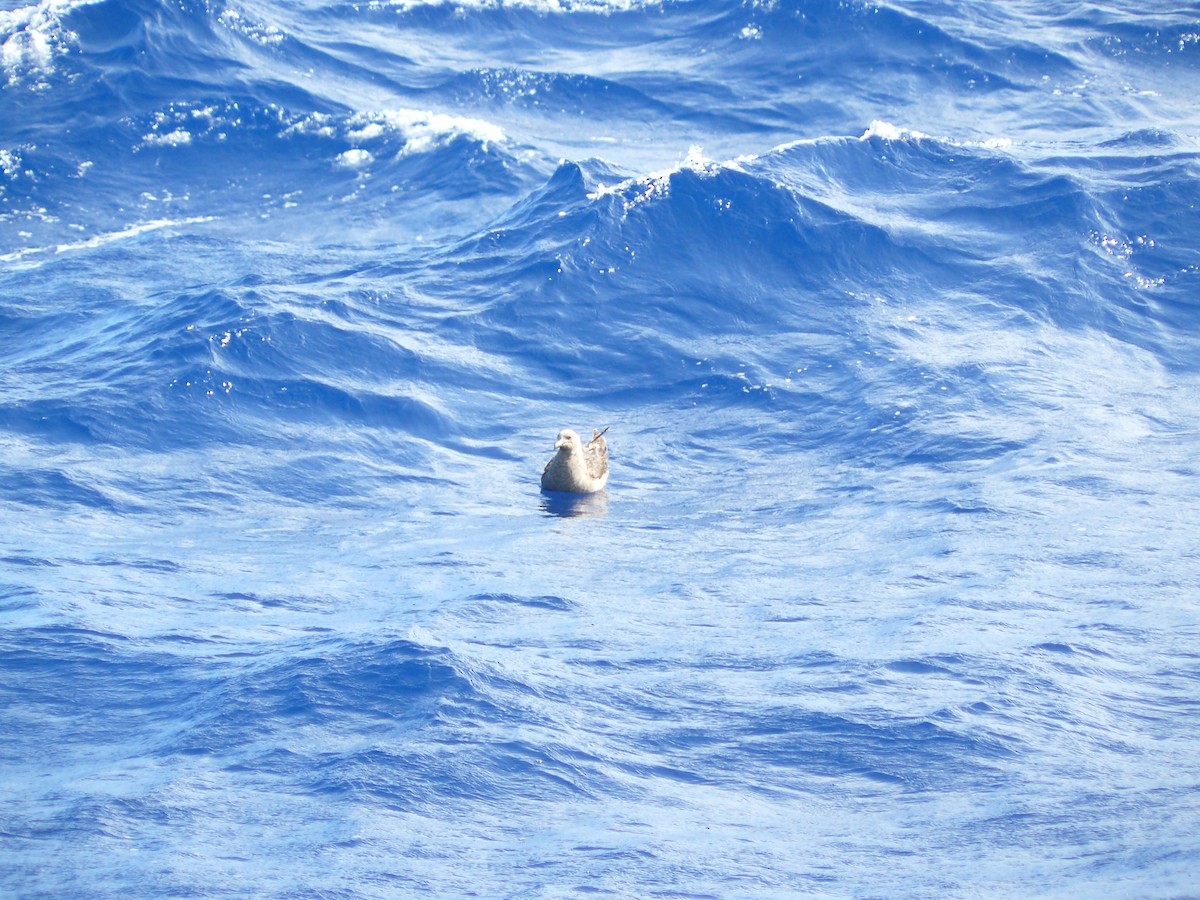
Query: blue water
x,y
892,310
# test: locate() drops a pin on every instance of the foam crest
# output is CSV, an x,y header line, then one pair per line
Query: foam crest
x,y
886,131
100,240
422,130
10,165
419,131
31,37
261,33
656,185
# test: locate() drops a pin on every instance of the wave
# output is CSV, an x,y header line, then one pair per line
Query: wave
x,y
898,360
844,265
33,37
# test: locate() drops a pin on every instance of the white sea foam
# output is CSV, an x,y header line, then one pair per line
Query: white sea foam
x,y
888,132
100,240
317,124
636,191
10,163
177,138
184,123
423,130
354,159
368,132
260,33
410,130
33,36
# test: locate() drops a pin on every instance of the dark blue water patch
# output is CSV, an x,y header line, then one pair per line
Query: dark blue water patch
x,y
55,421
28,560
1055,210
50,488
309,402
566,276
763,234
60,678
161,706
547,602
964,205
1144,256
560,504
394,685
1055,648
464,774
1154,144
244,158
566,190
16,597
339,480
268,602
917,667
917,445
274,344
406,760
767,747
963,508
766,751
57,329
135,54
116,28
551,307
847,61
96,333
141,563
209,363
901,48
1159,38
150,36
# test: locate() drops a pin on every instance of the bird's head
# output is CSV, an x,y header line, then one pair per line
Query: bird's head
x,y
567,440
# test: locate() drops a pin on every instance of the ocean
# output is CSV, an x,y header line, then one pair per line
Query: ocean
x,y
892,313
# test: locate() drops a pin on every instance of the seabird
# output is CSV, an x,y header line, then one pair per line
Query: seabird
x,y
577,468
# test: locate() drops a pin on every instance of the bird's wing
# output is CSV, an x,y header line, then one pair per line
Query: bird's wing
x,y
596,454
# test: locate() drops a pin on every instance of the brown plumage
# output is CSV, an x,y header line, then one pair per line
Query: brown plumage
x,y
577,468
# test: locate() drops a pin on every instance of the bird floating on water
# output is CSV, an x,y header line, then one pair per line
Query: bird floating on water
x,y
577,468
